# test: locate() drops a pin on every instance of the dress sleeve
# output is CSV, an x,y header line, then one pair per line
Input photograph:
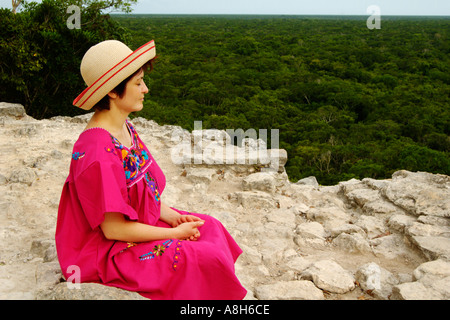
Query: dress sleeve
x,y
101,188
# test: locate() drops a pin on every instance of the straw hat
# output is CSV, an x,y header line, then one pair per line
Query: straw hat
x,y
107,64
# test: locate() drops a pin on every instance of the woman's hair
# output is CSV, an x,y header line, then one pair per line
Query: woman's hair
x,y
103,104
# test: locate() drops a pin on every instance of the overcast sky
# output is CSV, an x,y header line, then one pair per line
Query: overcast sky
x,y
339,7
325,7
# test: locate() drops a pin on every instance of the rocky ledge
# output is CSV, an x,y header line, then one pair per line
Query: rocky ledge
x,y
361,239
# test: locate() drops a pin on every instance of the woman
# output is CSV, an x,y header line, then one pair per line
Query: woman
x,y
112,223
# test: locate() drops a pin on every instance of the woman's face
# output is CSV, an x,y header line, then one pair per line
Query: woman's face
x,y
133,98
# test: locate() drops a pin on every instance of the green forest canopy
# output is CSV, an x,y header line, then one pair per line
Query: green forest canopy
x,y
349,102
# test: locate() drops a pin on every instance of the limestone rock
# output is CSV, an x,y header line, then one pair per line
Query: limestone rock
x,y
330,217
362,196
256,200
427,230
440,268
298,264
289,290
311,230
376,279
23,175
369,276
346,228
262,181
390,246
311,234
432,283
420,193
201,175
414,291
250,256
433,247
371,225
87,291
312,181
12,110
44,248
353,243
329,275
400,222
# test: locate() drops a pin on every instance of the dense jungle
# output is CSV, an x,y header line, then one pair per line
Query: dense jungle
x,y
349,101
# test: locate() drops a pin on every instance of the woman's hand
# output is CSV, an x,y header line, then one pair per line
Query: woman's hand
x,y
187,218
174,219
188,230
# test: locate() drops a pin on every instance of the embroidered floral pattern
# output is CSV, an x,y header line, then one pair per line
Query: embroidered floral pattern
x,y
109,150
153,186
136,161
157,251
78,155
176,256
129,245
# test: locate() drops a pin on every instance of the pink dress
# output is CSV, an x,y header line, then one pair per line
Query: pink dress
x,y
105,176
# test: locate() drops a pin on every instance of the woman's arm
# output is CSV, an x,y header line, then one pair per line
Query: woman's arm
x,y
173,218
116,227
169,215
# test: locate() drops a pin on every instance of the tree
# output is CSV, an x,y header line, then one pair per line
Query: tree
x,y
40,56
15,5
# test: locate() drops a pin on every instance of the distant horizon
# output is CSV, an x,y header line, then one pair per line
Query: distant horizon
x,y
295,7
275,14
429,8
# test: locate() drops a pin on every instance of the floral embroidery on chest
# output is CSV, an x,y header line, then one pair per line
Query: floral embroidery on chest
x,y
136,162
153,186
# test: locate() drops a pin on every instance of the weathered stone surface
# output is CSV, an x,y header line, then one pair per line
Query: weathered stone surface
x,y
311,234
432,283
87,291
420,193
263,181
330,276
289,290
400,222
376,279
312,181
352,243
299,240
440,268
23,175
433,247
414,291
311,230
201,175
12,110
256,200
